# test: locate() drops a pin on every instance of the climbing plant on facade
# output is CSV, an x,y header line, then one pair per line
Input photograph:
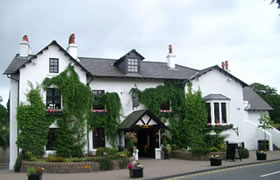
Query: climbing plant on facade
x,y
76,101
109,120
32,123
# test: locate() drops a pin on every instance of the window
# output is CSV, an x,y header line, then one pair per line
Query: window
x,y
165,107
51,139
132,65
98,105
98,138
217,112
53,65
53,99
224,113
208,108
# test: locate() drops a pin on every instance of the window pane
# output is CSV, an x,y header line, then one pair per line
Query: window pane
x,y
216,112
98,137
51,139
53,100
224,113
132,65
53,65
98,100
208,108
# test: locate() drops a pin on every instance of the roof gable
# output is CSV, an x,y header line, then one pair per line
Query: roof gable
x,y
19,62
206,70
132,53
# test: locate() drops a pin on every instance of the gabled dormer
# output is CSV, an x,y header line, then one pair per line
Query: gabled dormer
x,y
130,63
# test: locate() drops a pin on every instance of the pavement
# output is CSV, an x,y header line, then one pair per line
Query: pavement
x,y
153,169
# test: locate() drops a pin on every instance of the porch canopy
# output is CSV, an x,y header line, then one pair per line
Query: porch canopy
x,y
142,118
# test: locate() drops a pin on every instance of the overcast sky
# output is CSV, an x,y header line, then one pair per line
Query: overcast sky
x,y
203,32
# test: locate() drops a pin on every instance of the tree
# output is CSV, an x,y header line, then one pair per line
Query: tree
x,y
4,127
265,123
32,123
271,96
276,1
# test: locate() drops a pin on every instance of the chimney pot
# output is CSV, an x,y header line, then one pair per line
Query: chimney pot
x,y
72,39
226,65
25,38
223,65
170,49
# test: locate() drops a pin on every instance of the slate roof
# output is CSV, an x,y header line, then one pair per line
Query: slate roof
x,y
215,97
19,62
133,118
256,103
99,67
206,70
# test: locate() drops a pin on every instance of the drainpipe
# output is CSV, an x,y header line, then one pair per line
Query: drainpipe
x,y
9,76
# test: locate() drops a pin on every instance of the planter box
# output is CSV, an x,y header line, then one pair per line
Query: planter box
x,y
35,177
261,156
136,172
216,161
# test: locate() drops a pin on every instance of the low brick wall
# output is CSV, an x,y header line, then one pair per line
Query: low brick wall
x,y
189,156
66,167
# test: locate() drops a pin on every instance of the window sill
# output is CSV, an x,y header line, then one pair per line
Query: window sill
x,y
99,110
220,126
54,112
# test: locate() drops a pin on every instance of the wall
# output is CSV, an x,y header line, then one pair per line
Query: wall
x,y
216,82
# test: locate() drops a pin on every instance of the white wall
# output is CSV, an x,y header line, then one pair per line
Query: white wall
x,y
122,87
215,82
38,70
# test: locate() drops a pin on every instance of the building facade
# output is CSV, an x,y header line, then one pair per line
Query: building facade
x,y
229,100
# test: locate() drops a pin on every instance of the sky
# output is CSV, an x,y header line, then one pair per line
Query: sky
x,y
203,32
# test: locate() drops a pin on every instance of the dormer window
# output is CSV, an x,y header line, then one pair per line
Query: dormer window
x,y
132,65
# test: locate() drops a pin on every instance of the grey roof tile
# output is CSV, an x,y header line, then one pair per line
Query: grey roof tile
x,y
215,97
155,70
16,63
256,103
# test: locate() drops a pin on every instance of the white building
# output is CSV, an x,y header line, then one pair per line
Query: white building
x,y
229,100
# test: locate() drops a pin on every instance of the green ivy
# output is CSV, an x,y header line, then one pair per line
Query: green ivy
x,y
4,127
76,101
111,119
32,123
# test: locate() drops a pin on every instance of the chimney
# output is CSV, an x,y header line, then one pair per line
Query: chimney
x,y
72,47
170,58
24,47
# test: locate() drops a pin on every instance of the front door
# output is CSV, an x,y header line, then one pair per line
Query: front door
x,y
147,142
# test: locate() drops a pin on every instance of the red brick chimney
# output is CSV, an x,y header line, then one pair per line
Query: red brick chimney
x,y
72,47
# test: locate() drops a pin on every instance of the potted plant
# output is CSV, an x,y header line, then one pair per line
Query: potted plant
x,y
135,168
265,123
215,160
261,155
166,149
35,173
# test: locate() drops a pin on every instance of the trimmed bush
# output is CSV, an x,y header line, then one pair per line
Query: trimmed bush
x,y
200,151
55,159
123,163
244,153
105,163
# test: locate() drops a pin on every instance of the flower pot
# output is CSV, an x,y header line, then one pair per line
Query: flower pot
x,y
35,177
166,155
136,172
261,156
216,161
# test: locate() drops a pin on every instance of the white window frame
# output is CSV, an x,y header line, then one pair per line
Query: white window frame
x,y
212,102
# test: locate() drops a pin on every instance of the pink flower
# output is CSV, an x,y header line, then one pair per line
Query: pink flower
x,y
129,166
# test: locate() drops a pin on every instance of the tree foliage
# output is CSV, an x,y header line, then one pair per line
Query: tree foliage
x,y
76,101
32,123
4,127
271,96
276,1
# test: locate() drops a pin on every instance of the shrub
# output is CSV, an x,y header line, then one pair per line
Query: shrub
x,y
52,158
28,155
244,153
105,163
30,171
197,151
17,165
111,151
123,163
100,151
213,149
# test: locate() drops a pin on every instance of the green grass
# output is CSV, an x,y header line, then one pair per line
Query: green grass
x,y
276,125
